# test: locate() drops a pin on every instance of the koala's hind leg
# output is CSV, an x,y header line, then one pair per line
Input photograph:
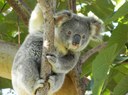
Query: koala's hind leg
x,y
56,81
33,82
27,78
17,86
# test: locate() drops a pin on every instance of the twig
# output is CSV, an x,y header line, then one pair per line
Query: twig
x,y
88,54
18,25
24,5
3,6
72,5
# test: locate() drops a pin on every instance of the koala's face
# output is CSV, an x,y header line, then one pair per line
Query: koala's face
x,y
74,33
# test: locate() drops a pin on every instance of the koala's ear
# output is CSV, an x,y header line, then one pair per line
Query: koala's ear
x,y
62,17
96,28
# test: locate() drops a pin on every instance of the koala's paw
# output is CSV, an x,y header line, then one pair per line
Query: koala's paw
x,y
51,58
38,84
52,81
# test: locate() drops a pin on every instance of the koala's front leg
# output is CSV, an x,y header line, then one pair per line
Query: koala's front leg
x,y
52,60
56,81
63,63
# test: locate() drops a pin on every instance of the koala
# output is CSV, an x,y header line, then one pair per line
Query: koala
x,y
26,66
36,20
72,35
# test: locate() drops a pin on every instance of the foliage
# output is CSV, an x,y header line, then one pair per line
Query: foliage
x,y
107,69
5,83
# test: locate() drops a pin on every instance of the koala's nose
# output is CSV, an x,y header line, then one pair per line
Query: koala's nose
x,y
76,39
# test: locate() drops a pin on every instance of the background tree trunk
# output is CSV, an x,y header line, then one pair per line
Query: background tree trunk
x,y
7,53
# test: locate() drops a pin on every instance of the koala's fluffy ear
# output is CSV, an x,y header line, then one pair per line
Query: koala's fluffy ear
x,y
96,28
62,17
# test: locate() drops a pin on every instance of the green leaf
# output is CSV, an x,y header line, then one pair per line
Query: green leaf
x,y
122,87
62,5
121,59
122,11
5,83
100,68
119,36
118,76
86,67
98,7
101,65
122,68
106,92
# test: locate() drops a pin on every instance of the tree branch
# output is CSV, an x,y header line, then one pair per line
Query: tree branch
x,y
21,9
48,42
88,54
25,7
72,5
78,82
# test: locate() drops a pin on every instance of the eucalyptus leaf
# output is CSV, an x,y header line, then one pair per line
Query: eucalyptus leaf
x,y
122,11
122,87
101,65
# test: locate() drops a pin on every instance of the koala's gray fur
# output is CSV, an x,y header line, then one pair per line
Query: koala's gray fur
x,y
72,34
26,65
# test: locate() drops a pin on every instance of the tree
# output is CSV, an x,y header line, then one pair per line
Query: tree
x,y
106,65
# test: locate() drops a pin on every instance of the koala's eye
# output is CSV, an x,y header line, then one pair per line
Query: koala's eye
x,y
69,32
83,36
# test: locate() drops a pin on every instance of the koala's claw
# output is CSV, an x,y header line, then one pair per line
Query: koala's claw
x,y
39,83
52,81
51,58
